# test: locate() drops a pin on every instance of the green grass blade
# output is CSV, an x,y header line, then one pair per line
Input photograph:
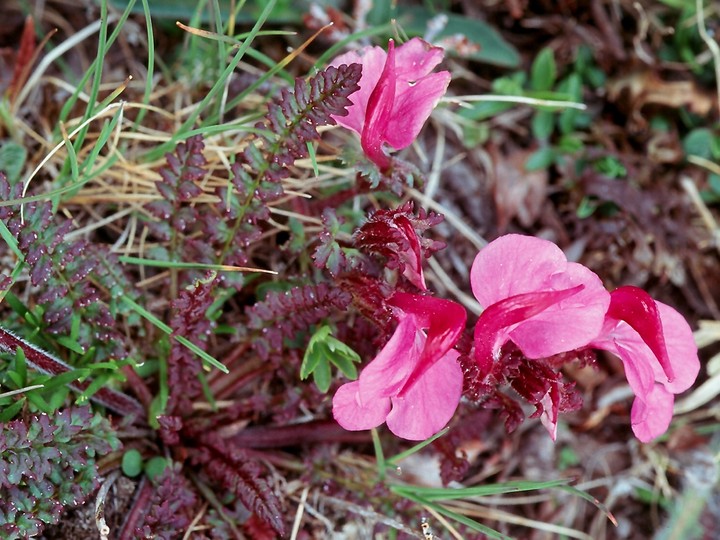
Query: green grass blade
x,y
468,522
410,451
179,264
446,494
217,88
167,330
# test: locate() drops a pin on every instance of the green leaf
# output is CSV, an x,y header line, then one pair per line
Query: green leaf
x,y
70,343
322,350
699,142
9,412
610,166
345,364
12,160
490,46
180,339
587,207
542,158
573,86
343,357
544,71
543,123
569,144
132,463
321,376
155,466
20,366
714,182
39,403
312,357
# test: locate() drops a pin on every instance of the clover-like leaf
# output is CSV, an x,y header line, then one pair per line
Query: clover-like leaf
x,y
323,350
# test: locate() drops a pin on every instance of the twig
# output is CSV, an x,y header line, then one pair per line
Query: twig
x,y
478,241
102,525
299,513
522,100
711,44
689,186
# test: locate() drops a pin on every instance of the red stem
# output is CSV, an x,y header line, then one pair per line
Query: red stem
x,y
45,363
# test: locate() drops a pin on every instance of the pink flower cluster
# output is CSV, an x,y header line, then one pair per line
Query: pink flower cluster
x,y
533,296
530,293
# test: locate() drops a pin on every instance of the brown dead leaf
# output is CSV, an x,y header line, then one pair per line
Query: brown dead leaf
x,y
24,59
641,89
587,377
518,193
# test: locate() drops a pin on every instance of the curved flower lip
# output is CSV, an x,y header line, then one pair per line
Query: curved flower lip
x,y
654,391
415,382
535,297
444,321
398,91
492,328
637,308
413,256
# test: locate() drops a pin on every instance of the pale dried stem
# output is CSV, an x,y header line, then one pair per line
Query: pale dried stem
x,y
708,219
711,44
453,219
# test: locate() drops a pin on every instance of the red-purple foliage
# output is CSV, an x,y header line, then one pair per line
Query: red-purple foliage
x,y
171,507
183,365
71,279
47,464
329,254
235,470
283,314
396,236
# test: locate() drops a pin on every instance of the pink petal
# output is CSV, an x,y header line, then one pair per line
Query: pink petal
x,y
430,403
639,310
412,258
414,103
417,58
444,321
652,409
514,264
386,375
622,340
417,90
379,108
651,417
354,413
493,327
642,368
372,60
681,348
570,323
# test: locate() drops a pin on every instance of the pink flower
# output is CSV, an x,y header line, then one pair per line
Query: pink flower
x,y
533,296
658,351
398,91
414,383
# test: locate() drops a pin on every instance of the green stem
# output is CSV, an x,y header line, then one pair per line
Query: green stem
x,y
379,456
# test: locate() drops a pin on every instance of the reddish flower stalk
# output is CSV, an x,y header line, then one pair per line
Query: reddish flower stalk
x,y
45,363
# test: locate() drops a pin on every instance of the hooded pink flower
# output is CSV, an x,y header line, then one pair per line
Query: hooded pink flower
x,y
398,91
657,348
533,296
414,383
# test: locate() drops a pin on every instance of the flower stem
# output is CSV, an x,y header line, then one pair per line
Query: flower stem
x,y
379,456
